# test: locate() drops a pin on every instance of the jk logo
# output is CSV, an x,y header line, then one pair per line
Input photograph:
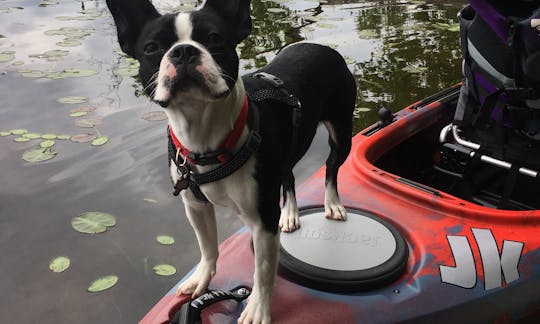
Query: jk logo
x,y
493,263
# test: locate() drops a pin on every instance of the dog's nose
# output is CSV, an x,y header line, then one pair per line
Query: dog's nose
x,y
183,53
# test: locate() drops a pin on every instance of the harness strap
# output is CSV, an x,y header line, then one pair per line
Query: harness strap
x,y
224,152
193,181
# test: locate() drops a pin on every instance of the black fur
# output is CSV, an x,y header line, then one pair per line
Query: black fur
x,y
317,75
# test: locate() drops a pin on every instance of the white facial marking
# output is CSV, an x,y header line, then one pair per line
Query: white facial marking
x,y
184,28
208,68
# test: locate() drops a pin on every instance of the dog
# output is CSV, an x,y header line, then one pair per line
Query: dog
x,y
189,65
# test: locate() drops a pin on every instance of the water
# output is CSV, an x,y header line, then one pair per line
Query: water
x,y
399,51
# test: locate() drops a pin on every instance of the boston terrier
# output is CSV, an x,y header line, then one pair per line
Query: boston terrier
x,y
230,150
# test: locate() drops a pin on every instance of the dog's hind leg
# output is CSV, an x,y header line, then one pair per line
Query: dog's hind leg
x,y
288,219
202,218
339,126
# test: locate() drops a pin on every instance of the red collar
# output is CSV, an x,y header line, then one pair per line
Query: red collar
x,y
225,151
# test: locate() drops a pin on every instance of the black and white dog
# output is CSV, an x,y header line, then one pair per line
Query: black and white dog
x,y
189,63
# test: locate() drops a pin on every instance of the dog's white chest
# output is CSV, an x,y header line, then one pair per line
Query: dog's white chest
x,y
238,191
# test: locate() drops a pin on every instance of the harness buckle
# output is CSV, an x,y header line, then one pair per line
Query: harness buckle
x,y
274,80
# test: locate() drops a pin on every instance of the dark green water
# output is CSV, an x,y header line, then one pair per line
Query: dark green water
x,y
399,51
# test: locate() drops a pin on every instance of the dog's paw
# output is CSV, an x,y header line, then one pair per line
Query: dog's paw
x,y
257,311
197,283
289,221
333,208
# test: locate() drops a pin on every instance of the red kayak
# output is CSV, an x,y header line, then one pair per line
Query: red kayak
x,y
419,244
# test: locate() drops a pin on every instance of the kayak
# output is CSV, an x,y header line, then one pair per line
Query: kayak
x,y
418,245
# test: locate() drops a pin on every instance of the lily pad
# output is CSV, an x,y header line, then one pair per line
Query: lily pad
x,y
6,56
46,143
165,239
150,200
39,155
84,108
17,63
100,141
21,139
63,137
128,72
70,73
155,116
3,134
59,264
32,73
93,222
164,269
51,56
18,131
78,114
103,283
88,122
72,99
363,109
83,138
48,136
69,43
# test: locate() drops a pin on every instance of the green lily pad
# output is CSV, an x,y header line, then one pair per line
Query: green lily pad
x,y
363,109
100,141
46,143
32,73
78,114
59,264
3,134
6,56
150,200
69,43
63,137
93,222
18,131
128,72
48,136
165,239
39,155
72,99
83,138
55,55
164,269
103,283
70,73
21,139
17,63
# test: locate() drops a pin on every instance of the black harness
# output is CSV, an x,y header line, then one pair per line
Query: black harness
x,y
192,180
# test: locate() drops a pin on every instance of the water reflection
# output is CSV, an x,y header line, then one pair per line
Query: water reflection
x,y
396,49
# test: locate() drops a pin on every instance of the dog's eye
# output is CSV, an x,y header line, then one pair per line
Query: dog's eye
x,y
214,38
151,48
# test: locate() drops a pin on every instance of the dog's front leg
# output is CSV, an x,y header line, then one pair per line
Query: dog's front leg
x,y
266,247
202,218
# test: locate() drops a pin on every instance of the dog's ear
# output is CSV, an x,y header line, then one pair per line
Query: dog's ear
x,y
130,16
236,12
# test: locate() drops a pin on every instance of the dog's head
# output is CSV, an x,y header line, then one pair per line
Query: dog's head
x,y
184,53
